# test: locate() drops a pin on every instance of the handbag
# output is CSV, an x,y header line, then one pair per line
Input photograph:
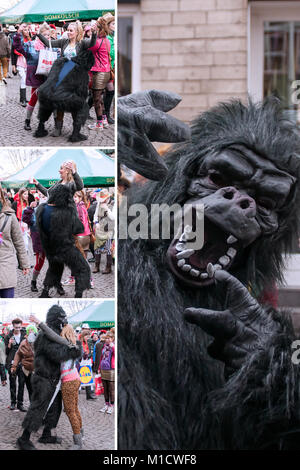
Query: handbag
x,y
92,235
46,59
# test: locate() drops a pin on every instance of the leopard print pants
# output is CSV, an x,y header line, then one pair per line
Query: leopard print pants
x,y
69,392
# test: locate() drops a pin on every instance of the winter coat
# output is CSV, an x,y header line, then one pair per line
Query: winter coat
x,y
31,55
83,216
24,355
29,218
12,242
11,352
4,46
2,351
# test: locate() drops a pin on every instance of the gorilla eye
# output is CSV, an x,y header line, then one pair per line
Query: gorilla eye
x,y
216,179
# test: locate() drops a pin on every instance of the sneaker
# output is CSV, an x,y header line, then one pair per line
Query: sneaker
x,y
104,409
92,284
105,122
97,126
13,407
110,410
21,408
69,282
4,80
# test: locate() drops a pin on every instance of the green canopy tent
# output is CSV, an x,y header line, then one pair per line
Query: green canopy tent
x,y
94,167
38,11
97,315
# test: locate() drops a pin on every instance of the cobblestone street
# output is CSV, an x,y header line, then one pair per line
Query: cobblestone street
x,y
12,124
103,283
98,427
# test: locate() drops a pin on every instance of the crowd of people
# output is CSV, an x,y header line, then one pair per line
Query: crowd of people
x,y
20,54
20,231
17,359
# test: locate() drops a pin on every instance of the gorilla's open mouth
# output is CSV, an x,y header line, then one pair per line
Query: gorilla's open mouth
x,y
197,267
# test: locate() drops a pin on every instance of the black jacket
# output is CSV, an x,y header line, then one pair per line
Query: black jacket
x,y
10,352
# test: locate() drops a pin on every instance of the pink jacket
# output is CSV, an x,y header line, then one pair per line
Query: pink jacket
x,y
83,216
101,54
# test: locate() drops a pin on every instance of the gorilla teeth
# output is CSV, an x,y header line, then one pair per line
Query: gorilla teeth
x,y
210,270
194,272
203,275
217,267
181,263
186,267
224,260
183,238
231,239
188,232
231,252
185,254
180,246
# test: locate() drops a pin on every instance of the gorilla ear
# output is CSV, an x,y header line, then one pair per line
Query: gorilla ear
x,y
85,59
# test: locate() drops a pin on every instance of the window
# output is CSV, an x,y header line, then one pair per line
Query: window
x,y
129,47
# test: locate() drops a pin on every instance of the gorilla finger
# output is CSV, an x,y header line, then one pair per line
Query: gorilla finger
x,y
237,294
162,100
144,160
217,324
161,127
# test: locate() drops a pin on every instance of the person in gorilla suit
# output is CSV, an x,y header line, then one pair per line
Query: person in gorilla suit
x,y
66,90
48,356
58,222
213,366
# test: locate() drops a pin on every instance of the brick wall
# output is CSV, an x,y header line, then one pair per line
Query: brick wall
x,y
197,48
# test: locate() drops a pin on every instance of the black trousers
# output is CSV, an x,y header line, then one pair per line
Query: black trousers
x,y
16,398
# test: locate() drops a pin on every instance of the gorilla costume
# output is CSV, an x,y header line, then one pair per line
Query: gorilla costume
x,y
56,231
48,356
202,364
66,89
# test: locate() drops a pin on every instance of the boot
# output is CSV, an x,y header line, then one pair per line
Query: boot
x,y
89,394
108,265
45,293
25,444
23,97
77,439
60,290
58,128
97,264
41,131
27,126
33,286
109,96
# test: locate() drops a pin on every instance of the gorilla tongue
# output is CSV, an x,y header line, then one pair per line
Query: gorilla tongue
x,y
215,246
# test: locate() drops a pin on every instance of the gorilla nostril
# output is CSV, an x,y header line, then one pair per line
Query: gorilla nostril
x,y
228,195
245,204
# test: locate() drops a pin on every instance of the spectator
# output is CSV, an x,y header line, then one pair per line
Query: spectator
x,y
2,361
107,368
12,343
25,356
4,55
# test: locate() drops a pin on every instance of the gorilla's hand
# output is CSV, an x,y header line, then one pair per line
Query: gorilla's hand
x,y
239,330
142,119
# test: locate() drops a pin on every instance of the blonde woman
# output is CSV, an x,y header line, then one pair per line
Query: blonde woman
x,y
70,47
69,176
70,380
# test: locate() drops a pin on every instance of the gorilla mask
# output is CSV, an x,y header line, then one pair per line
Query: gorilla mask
x,y
56,318
247,187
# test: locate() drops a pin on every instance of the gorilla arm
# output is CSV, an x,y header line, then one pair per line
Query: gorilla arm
x,y
54,336
58,352
258,407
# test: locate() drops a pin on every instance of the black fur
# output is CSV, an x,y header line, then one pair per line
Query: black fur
x,y
48,357
69,96
171,394
59,244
